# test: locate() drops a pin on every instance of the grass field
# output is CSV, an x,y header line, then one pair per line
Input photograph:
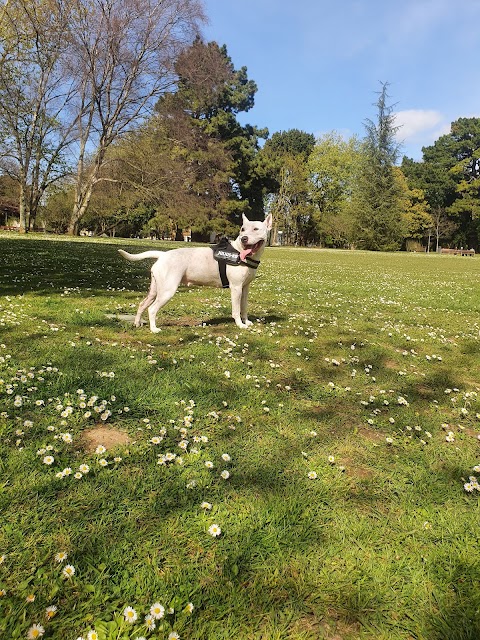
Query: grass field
x,y
309,478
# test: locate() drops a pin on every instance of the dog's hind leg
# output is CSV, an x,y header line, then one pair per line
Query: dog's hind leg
x,y
146,302
161,300
167,281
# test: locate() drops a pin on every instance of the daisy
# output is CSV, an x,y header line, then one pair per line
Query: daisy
x,y
226,457
225,475
173,636
30,597
51,611
103,462
130,614
84,468
209,464
61,556
48,460
157,611
35,631
214,530
150,622
68,571
312,475
100,449
331,459
206,505
189,608
92,635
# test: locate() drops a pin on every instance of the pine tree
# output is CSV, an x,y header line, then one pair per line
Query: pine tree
x,y
377,204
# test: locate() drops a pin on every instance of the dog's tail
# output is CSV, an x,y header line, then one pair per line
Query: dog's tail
x,y
134,257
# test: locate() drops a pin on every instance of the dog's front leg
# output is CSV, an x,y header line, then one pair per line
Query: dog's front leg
x,y
236,294
244,306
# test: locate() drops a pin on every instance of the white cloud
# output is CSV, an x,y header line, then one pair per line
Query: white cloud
x,y
418,123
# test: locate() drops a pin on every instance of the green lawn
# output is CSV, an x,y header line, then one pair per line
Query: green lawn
x,y
347,419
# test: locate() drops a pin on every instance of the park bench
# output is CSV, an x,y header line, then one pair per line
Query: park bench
x,y
459,252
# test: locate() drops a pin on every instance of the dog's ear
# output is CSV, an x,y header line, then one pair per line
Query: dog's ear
x,y
245,219
268,221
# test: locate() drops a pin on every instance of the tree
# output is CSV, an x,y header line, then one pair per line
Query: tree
x,y
126,50
35,94
293,142
291,207
8,200
333,166
436,183
212,92
282,165
450,177
376,200
418,223
176,173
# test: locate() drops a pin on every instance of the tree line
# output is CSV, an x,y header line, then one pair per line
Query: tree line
x,y
117,118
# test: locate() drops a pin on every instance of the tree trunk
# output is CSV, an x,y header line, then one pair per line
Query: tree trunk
x,y
79,208
274,233
23,210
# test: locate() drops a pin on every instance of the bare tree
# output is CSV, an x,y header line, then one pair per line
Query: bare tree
x,y
443,226
34,98
126,50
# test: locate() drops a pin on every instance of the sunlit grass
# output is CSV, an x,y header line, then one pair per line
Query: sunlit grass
x,y
331,444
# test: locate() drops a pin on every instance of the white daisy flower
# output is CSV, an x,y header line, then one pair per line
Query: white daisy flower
x,y
214,530
35,631
130,614
68,571
157,610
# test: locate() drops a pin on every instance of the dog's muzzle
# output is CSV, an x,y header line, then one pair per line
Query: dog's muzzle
x,y
249,249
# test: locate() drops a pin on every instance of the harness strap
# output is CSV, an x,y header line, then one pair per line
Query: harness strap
x,y
222,268
251,262
225,254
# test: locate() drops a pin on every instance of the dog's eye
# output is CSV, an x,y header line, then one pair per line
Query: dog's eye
x,y
255,228
242,229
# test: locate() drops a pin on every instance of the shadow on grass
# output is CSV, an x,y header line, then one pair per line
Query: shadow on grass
x,y
458,609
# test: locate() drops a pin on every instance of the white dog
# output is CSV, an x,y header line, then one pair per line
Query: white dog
x,y
198,266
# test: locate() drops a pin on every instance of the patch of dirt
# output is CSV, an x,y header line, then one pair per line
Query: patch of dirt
x,y
110,437
425,392
390,364
370,434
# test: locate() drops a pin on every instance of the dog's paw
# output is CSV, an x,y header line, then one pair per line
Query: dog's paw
x,y
248,323
243,325
155,329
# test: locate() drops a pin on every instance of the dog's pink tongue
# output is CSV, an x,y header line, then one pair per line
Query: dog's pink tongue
x,y
244,253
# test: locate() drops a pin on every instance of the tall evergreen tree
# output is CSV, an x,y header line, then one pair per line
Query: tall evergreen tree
x,y
377,199
211,92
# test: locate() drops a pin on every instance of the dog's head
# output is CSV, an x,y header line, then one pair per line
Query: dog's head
x,y
253,235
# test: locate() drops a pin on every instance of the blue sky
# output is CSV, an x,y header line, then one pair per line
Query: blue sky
x,y
318,63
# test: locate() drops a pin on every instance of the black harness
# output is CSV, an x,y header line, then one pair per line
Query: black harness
x,y
225,254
